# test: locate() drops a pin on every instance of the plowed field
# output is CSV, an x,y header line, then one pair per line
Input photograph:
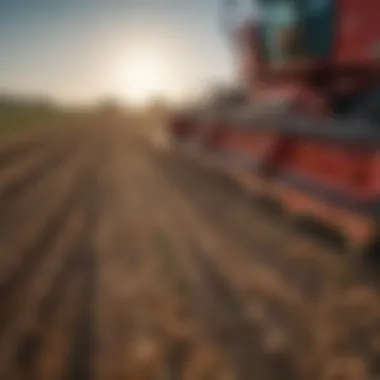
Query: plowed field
x,y
120,260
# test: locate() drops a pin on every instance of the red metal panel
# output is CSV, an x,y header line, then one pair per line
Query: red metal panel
x,y
357,31
334,165
375,173
249,143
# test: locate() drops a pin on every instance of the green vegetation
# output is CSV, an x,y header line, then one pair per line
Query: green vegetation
x,y
26,115
20,115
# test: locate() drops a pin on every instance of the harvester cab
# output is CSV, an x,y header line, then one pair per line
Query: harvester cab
x,y
284,32
275,35
324,31
324,54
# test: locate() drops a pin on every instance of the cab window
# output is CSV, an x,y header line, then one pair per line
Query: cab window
x,y
279,30
296,28
318,19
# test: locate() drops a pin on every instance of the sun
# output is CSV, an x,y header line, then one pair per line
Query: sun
x,y
144,75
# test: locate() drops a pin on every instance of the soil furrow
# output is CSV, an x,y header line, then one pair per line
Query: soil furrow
x,y
36,254
81,357
12,150
54,313
43,274
321,313
18,179
17,148
55,340
37,213
76,262
220,311
236,289
271,243
23,312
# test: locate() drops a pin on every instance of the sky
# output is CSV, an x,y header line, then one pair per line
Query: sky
x,y
81,50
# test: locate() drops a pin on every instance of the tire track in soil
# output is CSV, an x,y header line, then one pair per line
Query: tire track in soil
x,y
274,307
147,308
312,359
14,337
228,322
171,328
192,351
46,358
35,234
80,358
186,198
75,259
309,274
195,280
34,354
323,313
126,318
237,266
241,338
256,231
271,306
17,179
217,310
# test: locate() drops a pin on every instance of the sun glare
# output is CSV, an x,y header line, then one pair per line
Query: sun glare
x,y
143,76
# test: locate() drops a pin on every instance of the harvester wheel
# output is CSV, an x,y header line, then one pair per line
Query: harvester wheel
x,y
368,108
317,229
366,261
371,254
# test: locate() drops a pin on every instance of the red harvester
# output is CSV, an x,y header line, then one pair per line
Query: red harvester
x,y
308,132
